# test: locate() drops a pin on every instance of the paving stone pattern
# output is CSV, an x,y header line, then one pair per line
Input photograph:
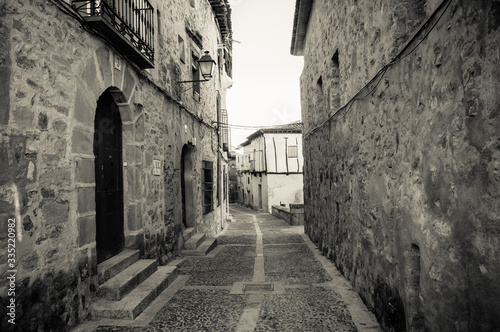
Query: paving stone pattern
x,y
237,239
292,264
279,237
310,301
232,264
195,310
307,309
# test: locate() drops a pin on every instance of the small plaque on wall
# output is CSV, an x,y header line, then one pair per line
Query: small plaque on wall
x,y
156,167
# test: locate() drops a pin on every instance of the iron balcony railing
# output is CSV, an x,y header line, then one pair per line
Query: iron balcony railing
x,y
127,24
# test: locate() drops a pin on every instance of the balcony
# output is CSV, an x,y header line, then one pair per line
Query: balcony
x,y
127,24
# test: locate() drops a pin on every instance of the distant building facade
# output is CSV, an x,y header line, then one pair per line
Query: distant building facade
x,y
102,150
401,117
271,167
233,178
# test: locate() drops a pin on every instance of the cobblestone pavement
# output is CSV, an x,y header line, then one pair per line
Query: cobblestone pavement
x,y
265,275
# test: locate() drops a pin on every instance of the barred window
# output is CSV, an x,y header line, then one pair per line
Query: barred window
x,y
293,151
182,49
208,186
195,71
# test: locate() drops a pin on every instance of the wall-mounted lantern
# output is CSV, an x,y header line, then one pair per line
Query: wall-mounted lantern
x,y
206,65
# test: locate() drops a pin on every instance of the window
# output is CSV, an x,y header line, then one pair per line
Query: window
x,y
219,124
335,59
218,181
196,76
335,95
224,180
320,99
293,151
182,52
220,64
208,186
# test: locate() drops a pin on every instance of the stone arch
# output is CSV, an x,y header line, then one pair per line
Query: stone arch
x,y
82,141
101,74
108,158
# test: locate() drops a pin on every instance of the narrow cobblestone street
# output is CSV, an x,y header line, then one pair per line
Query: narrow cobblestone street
x,y
264,275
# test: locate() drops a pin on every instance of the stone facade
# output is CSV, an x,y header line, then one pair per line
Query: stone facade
x,y
400,107
53,70
271,167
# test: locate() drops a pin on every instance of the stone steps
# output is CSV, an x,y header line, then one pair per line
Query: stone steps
x,y
132,304
197,244
122,283
129,284
194,242
203,249
188,233
111,267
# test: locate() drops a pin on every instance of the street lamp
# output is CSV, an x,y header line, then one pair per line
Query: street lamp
x,y
206,65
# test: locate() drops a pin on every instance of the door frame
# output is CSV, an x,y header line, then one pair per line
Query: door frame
x,y
108,245
188,182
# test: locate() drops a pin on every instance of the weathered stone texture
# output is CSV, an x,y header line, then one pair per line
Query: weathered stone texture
x,y
52,73
55,212
86,230
85,170
402,186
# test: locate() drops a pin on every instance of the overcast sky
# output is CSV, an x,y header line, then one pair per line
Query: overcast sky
x,y
266,89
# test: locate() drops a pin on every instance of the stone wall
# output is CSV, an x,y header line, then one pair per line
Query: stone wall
x,y
401,186
294,215
52,73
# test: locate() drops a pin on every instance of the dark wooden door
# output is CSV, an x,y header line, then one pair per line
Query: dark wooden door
x,y
187,179
183,187
109,178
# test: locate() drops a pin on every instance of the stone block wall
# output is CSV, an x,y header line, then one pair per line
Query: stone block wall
x,y
401,186
52,73
294,215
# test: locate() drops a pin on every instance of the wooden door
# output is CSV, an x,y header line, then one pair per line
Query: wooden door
x,y
109,178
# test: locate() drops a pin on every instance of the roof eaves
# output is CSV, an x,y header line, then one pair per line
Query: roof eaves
x,y
283,131
300,22
222,12
255,135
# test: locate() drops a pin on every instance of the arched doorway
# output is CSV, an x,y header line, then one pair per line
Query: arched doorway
x,y
187,183
109,178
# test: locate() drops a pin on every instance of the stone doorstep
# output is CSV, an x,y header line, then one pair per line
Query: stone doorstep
x,y
188,233
194,242
115,288
203,249
116,264
134,303
252,288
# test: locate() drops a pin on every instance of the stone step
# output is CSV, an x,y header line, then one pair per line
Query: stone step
x,y
115,288
203,249
131,305
116,264
195,241
188,233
